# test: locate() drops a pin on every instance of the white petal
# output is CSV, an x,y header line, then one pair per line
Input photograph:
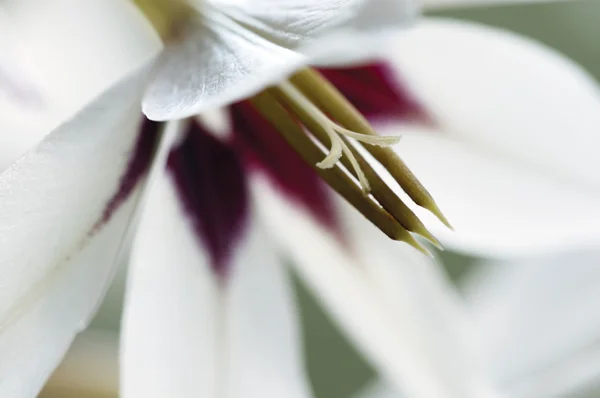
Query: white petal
x,y
73,50
391,302
506,93
189,334
323,29
21,110
56,255
214,64
241,47
498,207
437,4
539,322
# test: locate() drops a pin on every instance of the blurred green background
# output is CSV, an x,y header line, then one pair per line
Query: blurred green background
x,y
571,27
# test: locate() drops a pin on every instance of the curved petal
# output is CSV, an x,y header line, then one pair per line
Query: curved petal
x,y
63,215
74,50
190,331
498,207
512,162
292,23
236,48
214,63
21,103
388,299
506,93
538,321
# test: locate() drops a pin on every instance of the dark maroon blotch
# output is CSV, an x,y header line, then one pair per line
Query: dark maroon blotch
x,y
139,163
212,186
266,150
378,93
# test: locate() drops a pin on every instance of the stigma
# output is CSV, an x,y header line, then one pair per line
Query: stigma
x,y
336,139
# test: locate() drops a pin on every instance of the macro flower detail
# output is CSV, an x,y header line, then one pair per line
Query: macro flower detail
x,y
207,276
221,51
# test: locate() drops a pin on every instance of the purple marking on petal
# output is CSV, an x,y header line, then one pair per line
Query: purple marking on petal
x,y
212,187
139,164
378,93
265,149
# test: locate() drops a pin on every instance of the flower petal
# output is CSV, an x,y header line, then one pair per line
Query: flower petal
x,y
378,93
214,64
55,200
505,93
237,48
538,321
496,206
294,23
512,163
388,299
191,330
74,50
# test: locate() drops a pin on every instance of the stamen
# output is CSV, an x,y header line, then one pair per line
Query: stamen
x,y
315,119
325,96
268,105
312,115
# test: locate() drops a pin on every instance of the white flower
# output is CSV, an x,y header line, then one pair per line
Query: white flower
x,y
192,326
517,147
512,160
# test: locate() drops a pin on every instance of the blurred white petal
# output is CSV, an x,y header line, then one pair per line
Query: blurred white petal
x,y
188,333
388,299
211,65
506,93
496,206
538,321
74,50
57,250
513,161
329,31
233,49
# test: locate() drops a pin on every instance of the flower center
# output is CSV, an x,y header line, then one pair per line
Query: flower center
x,y
165,15
307,102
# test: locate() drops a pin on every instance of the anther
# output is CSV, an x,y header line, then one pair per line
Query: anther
x,y
324,95
272,109
314,119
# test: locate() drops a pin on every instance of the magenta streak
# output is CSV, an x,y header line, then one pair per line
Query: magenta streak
x,y
266,150
140,160
378,93
212,187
